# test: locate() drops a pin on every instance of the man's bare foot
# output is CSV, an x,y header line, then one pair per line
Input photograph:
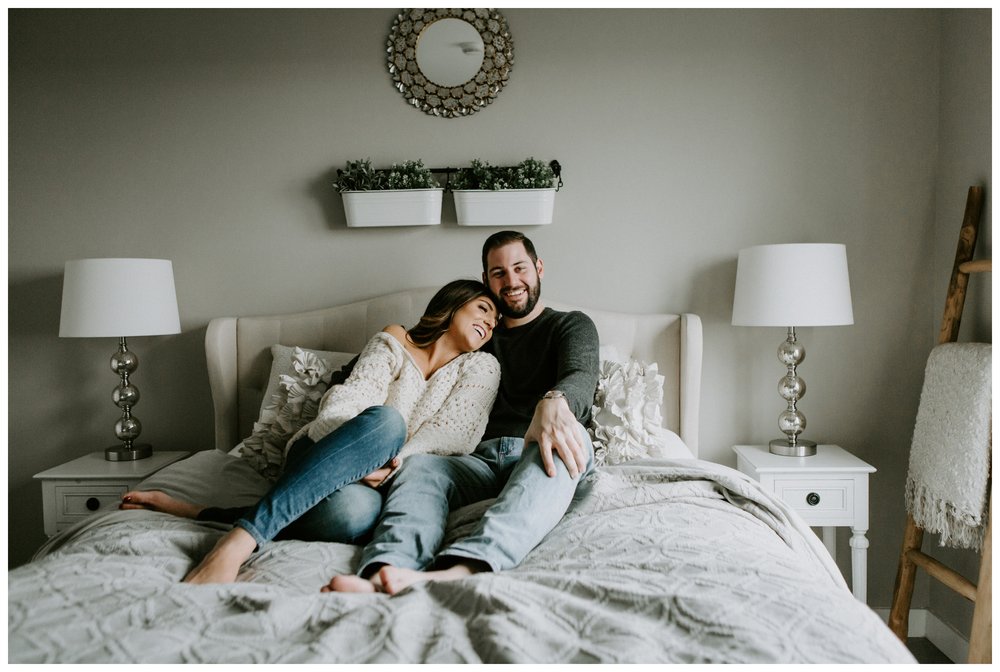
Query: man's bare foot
x,y
392,580
223,562
351,583
154,500
395,579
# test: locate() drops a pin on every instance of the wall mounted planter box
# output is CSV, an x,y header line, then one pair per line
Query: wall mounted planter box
x,y
393,207
504,207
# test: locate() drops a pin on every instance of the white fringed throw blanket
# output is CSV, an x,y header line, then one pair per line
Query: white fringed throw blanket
x,y
946,487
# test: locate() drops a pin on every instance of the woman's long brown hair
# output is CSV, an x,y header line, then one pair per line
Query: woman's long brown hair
x,y
442,308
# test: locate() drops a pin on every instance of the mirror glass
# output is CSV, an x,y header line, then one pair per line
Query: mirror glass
x,y
450,62
450,52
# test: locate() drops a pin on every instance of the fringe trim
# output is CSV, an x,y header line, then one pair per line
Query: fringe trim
x,y
958,529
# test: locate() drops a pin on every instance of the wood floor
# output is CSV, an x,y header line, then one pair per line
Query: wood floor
x,y
925,652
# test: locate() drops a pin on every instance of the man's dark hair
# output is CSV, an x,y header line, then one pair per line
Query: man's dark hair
x,y
501,238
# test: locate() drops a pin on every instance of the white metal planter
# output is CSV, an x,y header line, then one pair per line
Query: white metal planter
x,y
393,207
504,207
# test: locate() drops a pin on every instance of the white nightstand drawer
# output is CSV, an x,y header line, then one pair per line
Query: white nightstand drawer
x,y
824,502
92,484
828,490
77,501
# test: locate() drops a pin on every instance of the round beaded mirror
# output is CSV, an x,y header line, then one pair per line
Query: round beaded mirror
x,y
450,62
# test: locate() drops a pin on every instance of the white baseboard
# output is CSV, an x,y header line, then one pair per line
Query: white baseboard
x,y
952,643
949,641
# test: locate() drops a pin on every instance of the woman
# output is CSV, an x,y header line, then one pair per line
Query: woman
x,y
422,390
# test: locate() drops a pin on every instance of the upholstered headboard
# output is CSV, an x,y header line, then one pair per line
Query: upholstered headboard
x,y
239,353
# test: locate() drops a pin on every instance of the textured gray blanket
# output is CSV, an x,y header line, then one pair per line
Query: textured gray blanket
x,y
666,561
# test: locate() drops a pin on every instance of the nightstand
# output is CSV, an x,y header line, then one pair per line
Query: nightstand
x,y
87,485
828,489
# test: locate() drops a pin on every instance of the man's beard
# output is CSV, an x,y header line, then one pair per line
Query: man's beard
x,y
534,291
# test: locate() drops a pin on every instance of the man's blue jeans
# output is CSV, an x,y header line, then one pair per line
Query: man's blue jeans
x,y
317,496
415,514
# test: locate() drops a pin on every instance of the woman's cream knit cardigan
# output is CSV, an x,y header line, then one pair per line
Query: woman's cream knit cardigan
x,y
444,415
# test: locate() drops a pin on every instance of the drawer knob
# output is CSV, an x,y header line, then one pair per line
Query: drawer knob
x,y
812,499
93,504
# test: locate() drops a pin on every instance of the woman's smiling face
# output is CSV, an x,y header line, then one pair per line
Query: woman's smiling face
x,y
472,325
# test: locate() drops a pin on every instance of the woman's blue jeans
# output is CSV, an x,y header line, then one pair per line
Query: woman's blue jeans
x,y
317,496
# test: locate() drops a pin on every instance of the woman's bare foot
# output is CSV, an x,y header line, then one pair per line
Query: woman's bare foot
x,y
223,562
351,583
395,579
154,500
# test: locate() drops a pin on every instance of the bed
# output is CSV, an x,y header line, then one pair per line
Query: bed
x,y
662,557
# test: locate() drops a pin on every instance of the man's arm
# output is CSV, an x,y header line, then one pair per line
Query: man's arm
x,y
555,425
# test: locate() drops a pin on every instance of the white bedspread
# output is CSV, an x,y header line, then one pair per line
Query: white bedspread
x,y
665,561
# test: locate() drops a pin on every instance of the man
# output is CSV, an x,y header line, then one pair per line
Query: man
x,y
534,451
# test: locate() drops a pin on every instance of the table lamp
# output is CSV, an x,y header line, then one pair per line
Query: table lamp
x,y
120,298
795,285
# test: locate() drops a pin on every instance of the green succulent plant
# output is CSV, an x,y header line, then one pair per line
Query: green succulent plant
x,y
359,175
411,175
529,174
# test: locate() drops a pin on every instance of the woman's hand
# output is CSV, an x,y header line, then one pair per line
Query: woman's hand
x,y
377,477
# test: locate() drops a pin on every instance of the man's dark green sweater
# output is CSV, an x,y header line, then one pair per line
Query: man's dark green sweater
x,y
555,351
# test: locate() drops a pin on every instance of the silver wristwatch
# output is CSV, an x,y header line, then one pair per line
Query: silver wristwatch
x,y
554,394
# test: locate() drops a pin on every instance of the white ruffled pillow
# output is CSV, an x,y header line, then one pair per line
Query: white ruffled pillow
x,y
625,422
299,378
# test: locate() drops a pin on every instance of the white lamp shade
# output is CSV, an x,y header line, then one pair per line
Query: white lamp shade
x,y
119,297
795,285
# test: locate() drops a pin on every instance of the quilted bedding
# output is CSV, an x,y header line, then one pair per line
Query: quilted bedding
x,y
656,561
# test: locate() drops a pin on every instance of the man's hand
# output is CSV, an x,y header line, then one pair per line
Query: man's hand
x,y
377,477
555,429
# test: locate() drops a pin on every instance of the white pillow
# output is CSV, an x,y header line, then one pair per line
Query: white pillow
x,y
298,380
625,422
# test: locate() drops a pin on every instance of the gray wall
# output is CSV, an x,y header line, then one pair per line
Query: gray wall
x,y
210,138
965,158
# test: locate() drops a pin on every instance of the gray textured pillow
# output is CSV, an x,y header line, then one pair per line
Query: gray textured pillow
x,y
281,364
216,478
299,378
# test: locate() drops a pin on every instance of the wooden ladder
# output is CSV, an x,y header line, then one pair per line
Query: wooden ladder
x,y
911,557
